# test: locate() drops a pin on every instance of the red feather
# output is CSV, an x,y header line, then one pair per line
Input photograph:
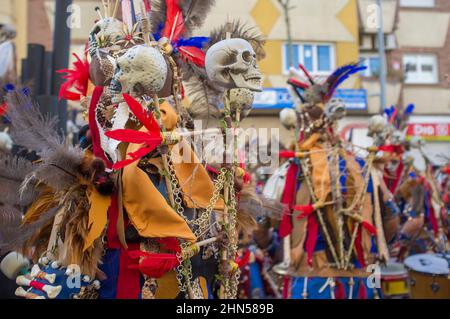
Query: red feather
x,y
135,137
77,79
174,27
193,54
298,83
151,139
145,118
135,156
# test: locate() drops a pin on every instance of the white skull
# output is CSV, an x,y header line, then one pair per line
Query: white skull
x,y
242,100
232,64
108,28
335,110
140,71
377,125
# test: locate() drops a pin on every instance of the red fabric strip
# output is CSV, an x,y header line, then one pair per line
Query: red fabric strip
x,y
288,200
311,237
286,286
129,282
244,260
96,146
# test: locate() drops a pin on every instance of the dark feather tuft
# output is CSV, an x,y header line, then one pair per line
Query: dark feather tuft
x,y
13,171
243,31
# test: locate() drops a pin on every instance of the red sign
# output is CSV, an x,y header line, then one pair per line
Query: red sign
x,y
428,131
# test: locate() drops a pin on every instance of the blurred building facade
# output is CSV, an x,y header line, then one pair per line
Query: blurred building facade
x,y
325,35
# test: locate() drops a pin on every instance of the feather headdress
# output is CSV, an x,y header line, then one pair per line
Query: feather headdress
x,y
311,92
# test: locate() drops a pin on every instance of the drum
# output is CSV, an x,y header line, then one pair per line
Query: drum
x,y
329,288
394,281
428,277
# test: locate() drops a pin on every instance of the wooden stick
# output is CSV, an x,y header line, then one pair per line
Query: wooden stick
x,y
99,12
164,158
116,8
105,7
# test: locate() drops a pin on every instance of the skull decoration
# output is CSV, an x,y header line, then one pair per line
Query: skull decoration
x,y
140,71
232,64
398,138
288,118
377,124
335,110
108,30
242,100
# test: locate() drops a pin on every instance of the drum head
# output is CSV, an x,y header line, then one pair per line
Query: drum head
x,y
393,269
428,264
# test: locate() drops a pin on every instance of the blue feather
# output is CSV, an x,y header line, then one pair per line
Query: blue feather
x,y
343,74
198,42
9,87
409,109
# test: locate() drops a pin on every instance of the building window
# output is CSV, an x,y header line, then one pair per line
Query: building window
x,y
417,3
372,63
420,68
317,58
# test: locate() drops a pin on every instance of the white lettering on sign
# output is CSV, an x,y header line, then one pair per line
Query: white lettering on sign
x,y
420,130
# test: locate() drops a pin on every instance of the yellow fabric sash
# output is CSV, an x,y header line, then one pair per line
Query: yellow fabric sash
x,y
98,215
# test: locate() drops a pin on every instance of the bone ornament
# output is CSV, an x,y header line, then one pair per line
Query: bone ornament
x,y
232,64
20,292
140,71
14,264
241,100
36,272
51,291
